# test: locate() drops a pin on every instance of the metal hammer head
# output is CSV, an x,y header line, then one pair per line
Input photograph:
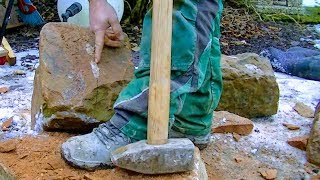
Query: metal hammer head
x,y
175,156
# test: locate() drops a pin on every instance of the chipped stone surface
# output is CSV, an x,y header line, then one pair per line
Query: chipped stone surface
x,y
8,146
177,155
304,110
249,86
226,122
291,126
4,90
71,93
198,173
5,125
299,142
5,173
269,174
313,148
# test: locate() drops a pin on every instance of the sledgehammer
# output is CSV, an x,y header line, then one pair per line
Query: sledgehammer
x,y
158,155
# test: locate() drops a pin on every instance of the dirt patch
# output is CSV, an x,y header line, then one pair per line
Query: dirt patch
x,y
39,158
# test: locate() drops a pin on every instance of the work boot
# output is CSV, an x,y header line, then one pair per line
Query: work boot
x,y
92,151
200,141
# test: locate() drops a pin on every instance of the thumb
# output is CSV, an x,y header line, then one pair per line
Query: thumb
x,y
99,43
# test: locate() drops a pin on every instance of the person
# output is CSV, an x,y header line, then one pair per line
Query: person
x,y
196,82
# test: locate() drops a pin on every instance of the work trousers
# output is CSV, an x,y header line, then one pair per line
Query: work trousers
x,y
196,80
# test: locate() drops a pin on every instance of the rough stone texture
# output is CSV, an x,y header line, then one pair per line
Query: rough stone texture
x,y
5,174
8,146
313,148
291,126
199,171
269,174
304,110
249,86
175,156
299,142
226,122
71,92
276,6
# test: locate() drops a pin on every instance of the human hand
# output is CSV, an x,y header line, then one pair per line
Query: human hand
x,y
105,25
111,39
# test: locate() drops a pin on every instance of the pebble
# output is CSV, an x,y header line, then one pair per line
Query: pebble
x,y
299,142
269,174
8,146
304,110
291,126
4,90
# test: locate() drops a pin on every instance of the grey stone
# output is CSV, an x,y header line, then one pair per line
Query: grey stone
x,y
175,156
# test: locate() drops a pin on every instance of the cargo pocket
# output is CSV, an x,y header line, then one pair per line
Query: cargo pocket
x,y
183,40
183,36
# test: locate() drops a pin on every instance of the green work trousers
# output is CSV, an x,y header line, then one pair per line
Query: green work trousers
x,y
196,80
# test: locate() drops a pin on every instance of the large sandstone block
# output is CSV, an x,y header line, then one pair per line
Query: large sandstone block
x,y
313,148
249,86
71,92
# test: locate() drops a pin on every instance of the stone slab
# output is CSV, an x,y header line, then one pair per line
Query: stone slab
x,y
175,156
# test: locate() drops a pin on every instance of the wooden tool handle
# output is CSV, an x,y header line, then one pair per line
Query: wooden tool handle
x,y
159,87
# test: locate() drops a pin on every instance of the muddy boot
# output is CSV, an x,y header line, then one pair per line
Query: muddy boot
x,y
92,151
200,141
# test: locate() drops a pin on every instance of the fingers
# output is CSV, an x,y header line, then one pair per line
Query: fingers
x,y
116,28
111,39
99,43
112,43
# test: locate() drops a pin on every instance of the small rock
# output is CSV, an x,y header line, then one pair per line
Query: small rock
x,y
4,90
236,137
291,126
299,142
269,174
304,110
232,124
8,146
7,124
224,43
135,49
19,72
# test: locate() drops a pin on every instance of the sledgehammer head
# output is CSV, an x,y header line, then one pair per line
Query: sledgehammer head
x,y
175,156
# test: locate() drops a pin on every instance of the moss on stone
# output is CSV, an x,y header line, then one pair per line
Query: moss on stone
x,y
309,15
99,104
